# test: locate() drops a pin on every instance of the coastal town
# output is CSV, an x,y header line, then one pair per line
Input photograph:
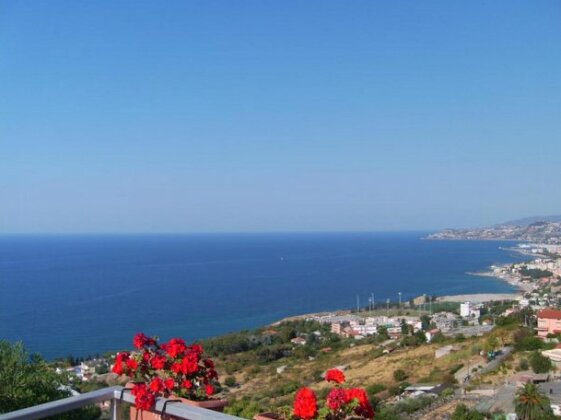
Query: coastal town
x,y
424,358
536,230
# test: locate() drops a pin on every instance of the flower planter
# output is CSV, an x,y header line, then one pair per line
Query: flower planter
x,y
167,369
266,416
136,414
214,405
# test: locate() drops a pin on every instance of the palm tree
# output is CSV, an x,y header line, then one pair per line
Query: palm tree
x,y
531,404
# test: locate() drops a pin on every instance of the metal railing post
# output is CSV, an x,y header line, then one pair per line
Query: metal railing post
x,y
116,409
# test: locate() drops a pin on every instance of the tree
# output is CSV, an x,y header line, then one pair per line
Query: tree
x,y
464,413
425,322
491,344
383,332
524,339
404,327
539,363
531,404
420,336
27,380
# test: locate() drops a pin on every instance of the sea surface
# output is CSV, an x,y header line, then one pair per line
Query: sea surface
x,y
87,294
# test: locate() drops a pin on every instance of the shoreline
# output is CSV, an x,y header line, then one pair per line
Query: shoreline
x,y
521,289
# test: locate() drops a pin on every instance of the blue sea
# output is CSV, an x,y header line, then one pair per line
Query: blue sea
x,y
87,294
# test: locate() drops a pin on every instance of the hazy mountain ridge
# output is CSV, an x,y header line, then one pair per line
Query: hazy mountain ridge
x,y
532,229
526,221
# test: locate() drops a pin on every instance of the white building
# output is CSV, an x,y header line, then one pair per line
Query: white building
x,y
469,310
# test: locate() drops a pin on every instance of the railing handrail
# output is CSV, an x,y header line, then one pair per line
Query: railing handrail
x,y
63,405
116,396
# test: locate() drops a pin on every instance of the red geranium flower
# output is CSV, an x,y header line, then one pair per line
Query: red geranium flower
x,y
145,401
140,340
156,385
189,367
175,347
337,398
305,404
118,367
176,368
158,362
212,374
169,384
364,408
132,364
335,375
143,398
197,348
163,369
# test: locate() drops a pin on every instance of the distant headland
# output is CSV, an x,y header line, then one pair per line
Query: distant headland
x,y
545,230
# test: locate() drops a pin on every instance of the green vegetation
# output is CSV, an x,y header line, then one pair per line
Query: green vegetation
x,y
230,381
523,365
531,404
535,273
525,340
462,412
374,389
400,375
539,363
27,380
267,345
243,407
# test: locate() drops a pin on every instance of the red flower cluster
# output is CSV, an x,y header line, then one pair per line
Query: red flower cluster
x,y
121,364
140,341
341,402
170,368
144,399
364,408
335,375
305,404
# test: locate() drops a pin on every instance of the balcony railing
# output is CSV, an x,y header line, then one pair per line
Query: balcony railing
x,y
117,397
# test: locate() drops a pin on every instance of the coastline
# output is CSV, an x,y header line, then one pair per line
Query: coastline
x,y
495,272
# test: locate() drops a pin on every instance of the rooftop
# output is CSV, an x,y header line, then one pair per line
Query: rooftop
x,y
549,314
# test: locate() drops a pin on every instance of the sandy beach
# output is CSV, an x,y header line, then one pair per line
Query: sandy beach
x,y
478,297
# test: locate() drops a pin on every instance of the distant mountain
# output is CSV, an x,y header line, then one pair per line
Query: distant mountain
x,y
527,221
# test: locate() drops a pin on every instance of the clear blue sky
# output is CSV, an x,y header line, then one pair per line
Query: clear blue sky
x,y
183,116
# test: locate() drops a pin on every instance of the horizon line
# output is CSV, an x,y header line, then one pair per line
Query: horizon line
x,y
256,232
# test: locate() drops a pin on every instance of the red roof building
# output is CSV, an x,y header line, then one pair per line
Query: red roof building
x,y
549,322
549,314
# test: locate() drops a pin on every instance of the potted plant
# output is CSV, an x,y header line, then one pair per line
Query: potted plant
x,y
340,403
172,369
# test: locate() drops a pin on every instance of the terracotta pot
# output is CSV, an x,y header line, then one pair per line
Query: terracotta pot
x,y
266,416
214,405
137,414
